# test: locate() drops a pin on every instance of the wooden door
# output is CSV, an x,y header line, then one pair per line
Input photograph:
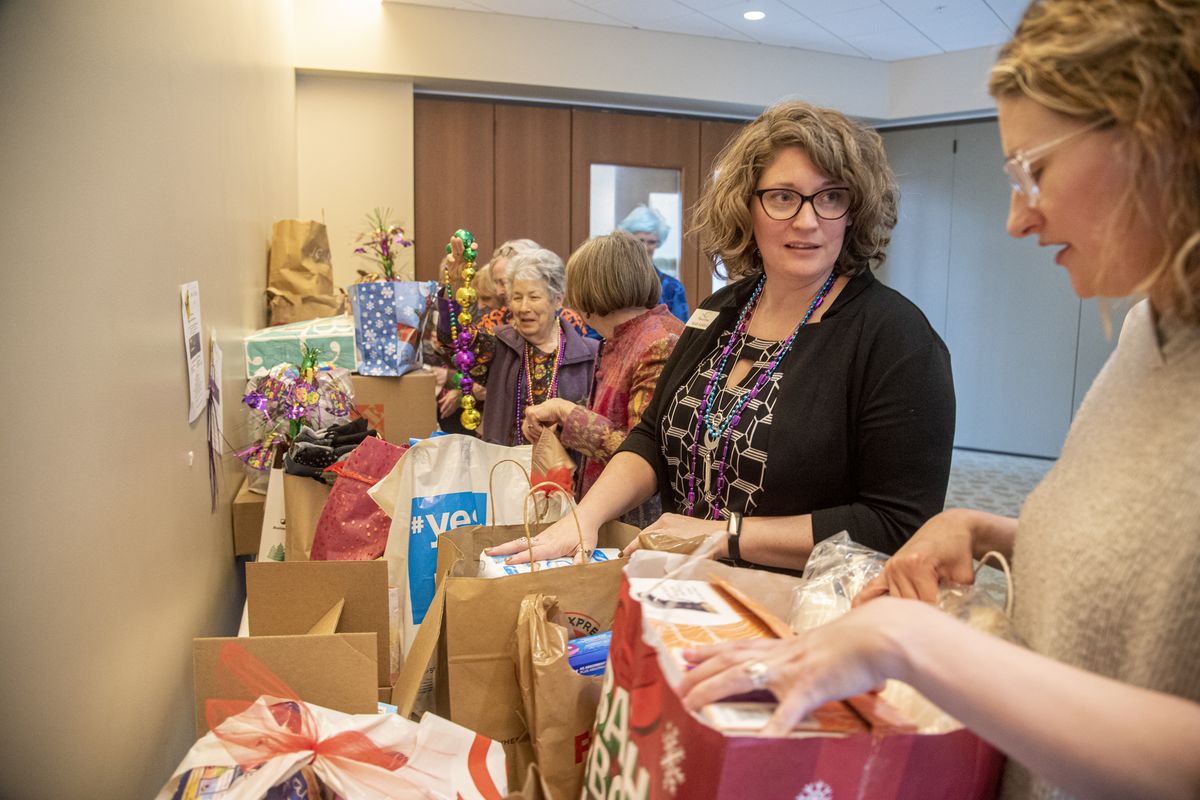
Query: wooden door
x,y
533,176
634,140
453,147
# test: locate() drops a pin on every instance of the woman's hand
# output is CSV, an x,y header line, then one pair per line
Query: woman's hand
x,y
559,540
680,527
453,261
447,402
546,414
942,548
851,655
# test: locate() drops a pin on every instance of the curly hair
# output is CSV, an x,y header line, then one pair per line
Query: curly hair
x,y
542,265
1136,63
842,150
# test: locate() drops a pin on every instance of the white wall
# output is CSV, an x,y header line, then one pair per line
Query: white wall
x,y
354,142
144,145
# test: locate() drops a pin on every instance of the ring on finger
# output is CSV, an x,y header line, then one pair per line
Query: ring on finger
x,y
758,672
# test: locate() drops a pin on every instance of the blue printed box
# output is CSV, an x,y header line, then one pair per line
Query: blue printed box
x,y
333,336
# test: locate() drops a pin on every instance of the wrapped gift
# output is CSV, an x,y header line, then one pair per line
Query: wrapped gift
x,y
389,322
282,344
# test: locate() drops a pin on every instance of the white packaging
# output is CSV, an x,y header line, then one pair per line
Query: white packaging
x,y
494,566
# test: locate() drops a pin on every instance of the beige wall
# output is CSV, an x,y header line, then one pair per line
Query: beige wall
x,y
145,145
438,47
354,144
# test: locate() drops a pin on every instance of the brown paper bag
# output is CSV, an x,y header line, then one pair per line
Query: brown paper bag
x,y
303,501
300,274
535,787
550,461
560,704
476,684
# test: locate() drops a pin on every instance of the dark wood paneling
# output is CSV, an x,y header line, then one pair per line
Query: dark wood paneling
x,y
533,176
714,135
453,165
601,137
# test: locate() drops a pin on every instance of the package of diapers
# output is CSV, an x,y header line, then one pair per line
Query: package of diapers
x,y
494,566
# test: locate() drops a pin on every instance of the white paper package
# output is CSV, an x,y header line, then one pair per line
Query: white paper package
x,y
494,566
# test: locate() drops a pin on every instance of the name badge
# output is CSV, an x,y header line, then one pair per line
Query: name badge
x,y
701,318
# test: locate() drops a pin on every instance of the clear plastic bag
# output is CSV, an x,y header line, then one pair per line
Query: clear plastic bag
x,y
836,571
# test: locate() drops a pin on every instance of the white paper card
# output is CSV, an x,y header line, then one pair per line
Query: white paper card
x,y
193,349
701,318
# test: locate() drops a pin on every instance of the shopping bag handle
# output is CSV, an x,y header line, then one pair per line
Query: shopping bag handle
x,y
1003,563
491,494
551,487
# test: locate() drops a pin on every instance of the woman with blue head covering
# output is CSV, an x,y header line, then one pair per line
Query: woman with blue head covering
x,y
651,229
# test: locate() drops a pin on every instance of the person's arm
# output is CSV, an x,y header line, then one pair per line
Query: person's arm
x,y
627,482
903,438
943,549
1089,735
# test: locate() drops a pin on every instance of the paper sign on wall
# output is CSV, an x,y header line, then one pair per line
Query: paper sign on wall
x,y
193,349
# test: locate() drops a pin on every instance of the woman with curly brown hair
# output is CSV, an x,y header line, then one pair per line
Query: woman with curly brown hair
x,y
1099,106
806,397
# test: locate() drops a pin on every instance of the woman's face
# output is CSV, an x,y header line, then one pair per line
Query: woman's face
x,y
534,309
801,250
649,241
1079,185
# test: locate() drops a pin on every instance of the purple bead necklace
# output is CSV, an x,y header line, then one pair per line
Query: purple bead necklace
x,y
720,428
525,381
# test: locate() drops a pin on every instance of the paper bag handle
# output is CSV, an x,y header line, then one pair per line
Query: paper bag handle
x,y
491,494
1003,563
551,487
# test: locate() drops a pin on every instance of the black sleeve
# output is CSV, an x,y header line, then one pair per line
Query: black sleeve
x,y
904,436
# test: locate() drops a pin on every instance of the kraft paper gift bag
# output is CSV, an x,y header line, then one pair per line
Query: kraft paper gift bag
x,y
304,500
300,273
475,679
560,704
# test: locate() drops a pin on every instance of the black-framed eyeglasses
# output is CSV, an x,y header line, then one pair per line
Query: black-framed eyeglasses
x,y
782,204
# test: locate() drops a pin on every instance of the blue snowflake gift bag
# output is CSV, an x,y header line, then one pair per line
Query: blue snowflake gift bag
x,y
389,324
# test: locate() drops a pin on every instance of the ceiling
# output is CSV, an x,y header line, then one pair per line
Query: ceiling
x,y
883,30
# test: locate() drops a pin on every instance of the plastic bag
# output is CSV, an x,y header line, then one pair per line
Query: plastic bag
x,y
837,570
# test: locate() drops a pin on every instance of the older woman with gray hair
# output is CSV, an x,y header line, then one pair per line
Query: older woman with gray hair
x,y
534,358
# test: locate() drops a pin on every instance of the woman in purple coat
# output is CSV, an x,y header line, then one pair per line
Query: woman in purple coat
x,y
535,358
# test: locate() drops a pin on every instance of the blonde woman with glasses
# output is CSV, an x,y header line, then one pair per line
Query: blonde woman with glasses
x,y
1099,106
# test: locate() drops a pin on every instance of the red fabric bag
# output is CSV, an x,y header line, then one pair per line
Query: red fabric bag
x,y
352,526
646,745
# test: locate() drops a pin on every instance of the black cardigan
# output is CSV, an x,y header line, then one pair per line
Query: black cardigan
x,y
863,426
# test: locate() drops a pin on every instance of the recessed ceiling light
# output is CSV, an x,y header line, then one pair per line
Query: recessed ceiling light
x,y
754,16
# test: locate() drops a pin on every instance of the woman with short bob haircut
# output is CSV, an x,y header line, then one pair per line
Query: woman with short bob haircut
x,y
806,397
613,284
1099,115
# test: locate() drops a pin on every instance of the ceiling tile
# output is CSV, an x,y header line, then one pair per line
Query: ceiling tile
x,y
864,21
698,25
548,9
953,24
783,26
464,5
894,45
1009,11
637,13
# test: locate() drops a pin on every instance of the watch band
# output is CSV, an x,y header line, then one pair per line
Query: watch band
x,y
734,529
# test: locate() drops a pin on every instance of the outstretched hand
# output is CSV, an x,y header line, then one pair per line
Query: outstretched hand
x,y
559,540
851,655
453,261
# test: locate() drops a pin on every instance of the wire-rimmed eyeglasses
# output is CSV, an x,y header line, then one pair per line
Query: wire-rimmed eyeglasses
x,y
1018,166
782,204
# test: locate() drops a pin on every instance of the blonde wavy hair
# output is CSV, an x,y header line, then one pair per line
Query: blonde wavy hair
x,y
840,149
1136,63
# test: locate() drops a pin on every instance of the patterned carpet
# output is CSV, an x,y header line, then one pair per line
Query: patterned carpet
x,y
993,482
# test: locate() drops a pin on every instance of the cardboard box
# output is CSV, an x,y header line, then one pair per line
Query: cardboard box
x,y
399,408
283,344
289,597
336,671
247,508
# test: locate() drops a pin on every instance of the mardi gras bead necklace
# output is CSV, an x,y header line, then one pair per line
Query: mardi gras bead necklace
x,y
460,335
718,426
525,380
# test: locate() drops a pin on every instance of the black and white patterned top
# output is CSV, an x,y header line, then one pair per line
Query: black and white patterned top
x,y
746,460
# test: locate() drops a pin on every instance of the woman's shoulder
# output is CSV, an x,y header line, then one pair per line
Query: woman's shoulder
x,y
887,312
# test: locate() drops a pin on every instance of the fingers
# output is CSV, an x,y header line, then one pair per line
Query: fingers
x,y
876,587
632,547
507,548
794,706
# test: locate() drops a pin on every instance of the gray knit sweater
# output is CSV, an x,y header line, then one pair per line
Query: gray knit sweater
x,y
1107,556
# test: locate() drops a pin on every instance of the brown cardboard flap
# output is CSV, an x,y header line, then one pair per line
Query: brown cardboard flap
x,y
329,622
336,671
399,408
289,597
420,657
247,509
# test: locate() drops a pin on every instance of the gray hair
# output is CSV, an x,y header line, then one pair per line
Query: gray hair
x,y
513,246
539,265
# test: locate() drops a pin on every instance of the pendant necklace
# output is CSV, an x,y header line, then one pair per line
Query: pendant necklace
x,y
525,381
716,428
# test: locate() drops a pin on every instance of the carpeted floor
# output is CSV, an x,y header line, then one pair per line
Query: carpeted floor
x,y
993,482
